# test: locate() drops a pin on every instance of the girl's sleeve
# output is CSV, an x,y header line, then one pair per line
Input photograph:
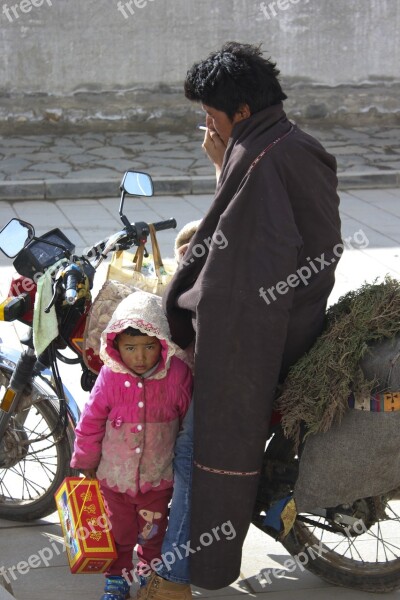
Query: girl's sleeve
x,y
90,430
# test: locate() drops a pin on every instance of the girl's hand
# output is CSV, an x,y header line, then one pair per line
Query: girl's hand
x,y
88,473
215,148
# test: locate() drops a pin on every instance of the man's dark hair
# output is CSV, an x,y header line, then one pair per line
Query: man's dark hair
x,y
236,75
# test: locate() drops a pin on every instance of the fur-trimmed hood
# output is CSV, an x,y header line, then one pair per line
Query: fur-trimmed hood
x,y
142,311
185,235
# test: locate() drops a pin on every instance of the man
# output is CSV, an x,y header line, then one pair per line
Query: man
x,y
253,306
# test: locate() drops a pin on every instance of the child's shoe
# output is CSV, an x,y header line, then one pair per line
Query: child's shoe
x,y
158,588
116,588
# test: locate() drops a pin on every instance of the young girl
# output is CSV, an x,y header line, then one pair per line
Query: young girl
x,y
183,238
128,428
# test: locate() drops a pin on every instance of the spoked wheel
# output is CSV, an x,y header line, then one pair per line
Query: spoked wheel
x,y
356,546
363,556
30,472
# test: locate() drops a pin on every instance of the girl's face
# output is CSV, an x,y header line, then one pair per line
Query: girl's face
x,y
140,352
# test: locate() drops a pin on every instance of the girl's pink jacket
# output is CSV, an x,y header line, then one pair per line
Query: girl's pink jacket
x,y
129,425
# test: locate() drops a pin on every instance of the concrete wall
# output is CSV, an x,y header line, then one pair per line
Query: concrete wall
x,y
63,46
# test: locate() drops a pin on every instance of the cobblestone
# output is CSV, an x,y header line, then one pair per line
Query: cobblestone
x,y
175,161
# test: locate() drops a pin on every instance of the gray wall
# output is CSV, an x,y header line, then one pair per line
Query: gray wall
x,y
62,46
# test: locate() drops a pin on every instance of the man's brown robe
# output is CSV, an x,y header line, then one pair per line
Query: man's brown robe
x,y
278,218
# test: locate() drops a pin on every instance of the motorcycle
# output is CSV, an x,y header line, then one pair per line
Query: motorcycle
x,y
354,545
52,296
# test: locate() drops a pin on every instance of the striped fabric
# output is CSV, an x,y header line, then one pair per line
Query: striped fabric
x,y
383,402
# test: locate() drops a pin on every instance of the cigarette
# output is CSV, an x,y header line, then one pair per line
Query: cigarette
x,y
202,127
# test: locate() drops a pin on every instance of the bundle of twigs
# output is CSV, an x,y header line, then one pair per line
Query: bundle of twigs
x,y
316,391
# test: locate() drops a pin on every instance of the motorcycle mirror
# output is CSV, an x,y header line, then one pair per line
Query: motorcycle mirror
x,y
137,184
134,183
15,236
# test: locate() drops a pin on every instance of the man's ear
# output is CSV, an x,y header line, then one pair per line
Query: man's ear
x,y
242,113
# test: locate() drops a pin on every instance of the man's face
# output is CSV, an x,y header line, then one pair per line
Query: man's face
x,y
217,120
140,352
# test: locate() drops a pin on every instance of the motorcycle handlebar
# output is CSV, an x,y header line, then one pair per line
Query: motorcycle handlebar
x,y
73,277
99,247
168,224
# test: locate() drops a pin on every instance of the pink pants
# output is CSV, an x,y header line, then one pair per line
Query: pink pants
x,y
141,520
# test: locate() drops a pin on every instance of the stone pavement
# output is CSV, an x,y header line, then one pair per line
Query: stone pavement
x,y
82,165
371,228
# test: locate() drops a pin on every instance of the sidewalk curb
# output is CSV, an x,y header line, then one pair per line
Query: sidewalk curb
x,y
57,189
369,179
4,595
6,592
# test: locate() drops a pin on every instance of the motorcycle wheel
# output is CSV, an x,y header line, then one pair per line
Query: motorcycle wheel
x,y
30,474
365,557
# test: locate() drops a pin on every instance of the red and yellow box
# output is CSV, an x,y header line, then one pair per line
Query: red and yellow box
x,y
85,525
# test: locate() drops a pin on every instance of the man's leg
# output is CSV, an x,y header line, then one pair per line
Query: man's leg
x,y
178,532
172,582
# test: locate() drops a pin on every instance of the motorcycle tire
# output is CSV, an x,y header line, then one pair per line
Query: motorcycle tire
x,y
30,474
367,558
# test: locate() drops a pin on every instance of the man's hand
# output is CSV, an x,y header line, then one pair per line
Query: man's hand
x,y
215,148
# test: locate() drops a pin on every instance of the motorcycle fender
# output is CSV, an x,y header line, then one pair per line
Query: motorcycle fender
x,y
9,358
